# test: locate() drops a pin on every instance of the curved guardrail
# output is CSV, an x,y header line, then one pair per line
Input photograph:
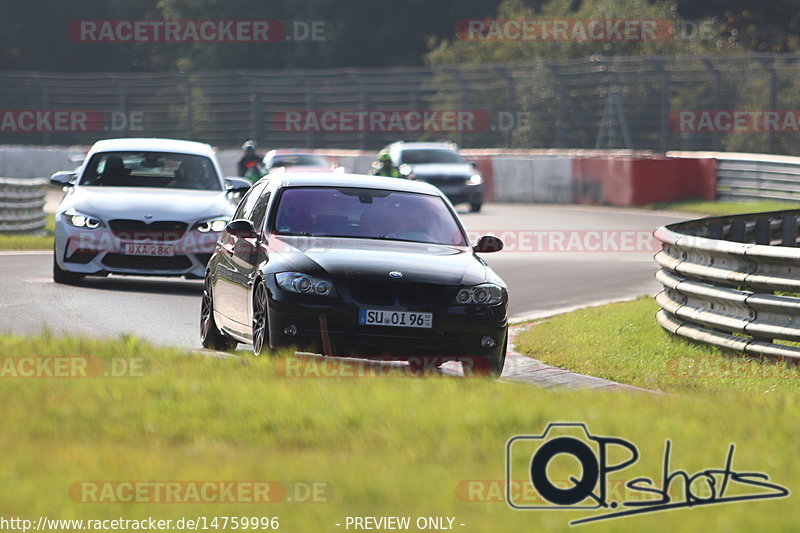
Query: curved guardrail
x,y
22,205
733,282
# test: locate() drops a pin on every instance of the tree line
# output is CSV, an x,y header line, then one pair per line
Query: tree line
x,y
53,35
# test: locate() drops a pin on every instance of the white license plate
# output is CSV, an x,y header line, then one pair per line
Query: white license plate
x,y
400,319
450,189
153,250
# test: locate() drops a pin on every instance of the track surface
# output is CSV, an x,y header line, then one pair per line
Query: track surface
x,y
166,311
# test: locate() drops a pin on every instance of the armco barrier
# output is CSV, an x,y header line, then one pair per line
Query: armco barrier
x,y
721,275
22,205
761,177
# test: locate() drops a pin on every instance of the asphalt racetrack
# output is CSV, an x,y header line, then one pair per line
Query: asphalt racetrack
x,y
556,258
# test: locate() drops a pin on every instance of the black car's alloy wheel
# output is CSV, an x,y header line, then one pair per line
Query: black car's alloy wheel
x,y
260,323
210,336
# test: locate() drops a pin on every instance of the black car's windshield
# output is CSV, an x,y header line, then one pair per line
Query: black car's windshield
x,y
430,155
298,160
151,169
366,214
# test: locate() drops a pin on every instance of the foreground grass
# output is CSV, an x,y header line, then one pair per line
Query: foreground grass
x,y
30,242
725,208
384,446
623,342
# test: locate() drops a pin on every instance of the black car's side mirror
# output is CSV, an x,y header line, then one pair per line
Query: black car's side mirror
x,y
241,228
238,184
63,178
488,244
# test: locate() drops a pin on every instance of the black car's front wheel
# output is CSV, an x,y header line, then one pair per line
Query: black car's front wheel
x,y
475,207
210,336
260,319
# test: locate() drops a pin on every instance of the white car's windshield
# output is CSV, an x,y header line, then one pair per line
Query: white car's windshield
x,y
151,169
366,214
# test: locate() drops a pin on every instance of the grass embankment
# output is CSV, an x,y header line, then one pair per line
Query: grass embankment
x,y
623,342
724,208
385,446
30,242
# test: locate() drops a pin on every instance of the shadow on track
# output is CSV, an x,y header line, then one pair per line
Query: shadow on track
x,y
177,286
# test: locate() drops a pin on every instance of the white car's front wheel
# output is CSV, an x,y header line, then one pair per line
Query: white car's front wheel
x,y
62,276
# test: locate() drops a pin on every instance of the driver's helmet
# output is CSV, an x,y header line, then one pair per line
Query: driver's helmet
x,y
384,156
249,146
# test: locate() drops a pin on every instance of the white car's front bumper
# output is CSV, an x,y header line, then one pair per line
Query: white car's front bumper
x,y
99,251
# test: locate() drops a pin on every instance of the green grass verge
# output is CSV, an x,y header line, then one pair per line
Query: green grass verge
x,y
724,208
385,446
623,342
30,242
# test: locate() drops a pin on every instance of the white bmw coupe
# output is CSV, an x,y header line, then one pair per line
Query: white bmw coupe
x,y
142,207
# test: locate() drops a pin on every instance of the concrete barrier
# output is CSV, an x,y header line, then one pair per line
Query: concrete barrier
x,y
609,177
37,161
533,179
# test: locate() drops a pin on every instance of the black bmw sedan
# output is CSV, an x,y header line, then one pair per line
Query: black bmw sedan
x,y
351,265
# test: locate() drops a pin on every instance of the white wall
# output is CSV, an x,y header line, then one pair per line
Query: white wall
x,y
532,179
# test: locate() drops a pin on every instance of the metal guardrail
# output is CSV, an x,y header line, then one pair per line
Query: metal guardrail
x,y
758,178
22,205
733,282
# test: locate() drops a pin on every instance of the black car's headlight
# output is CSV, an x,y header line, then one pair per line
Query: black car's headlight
x,y
484,294
475,179
305,284
216,225
82,220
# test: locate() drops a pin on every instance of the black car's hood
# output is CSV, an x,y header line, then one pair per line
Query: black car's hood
x,y
368,259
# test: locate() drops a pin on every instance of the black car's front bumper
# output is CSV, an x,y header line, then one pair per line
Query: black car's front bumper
x,y
330,326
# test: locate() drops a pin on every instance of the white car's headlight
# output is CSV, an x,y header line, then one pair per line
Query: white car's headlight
x,y
484,294
215,225
82,220
305,284
475,179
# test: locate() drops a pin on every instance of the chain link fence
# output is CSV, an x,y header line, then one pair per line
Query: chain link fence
x,y
747,103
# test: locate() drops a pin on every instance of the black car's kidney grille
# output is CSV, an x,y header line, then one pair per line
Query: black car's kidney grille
x,y
138,230
420,294
373,293
390,293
